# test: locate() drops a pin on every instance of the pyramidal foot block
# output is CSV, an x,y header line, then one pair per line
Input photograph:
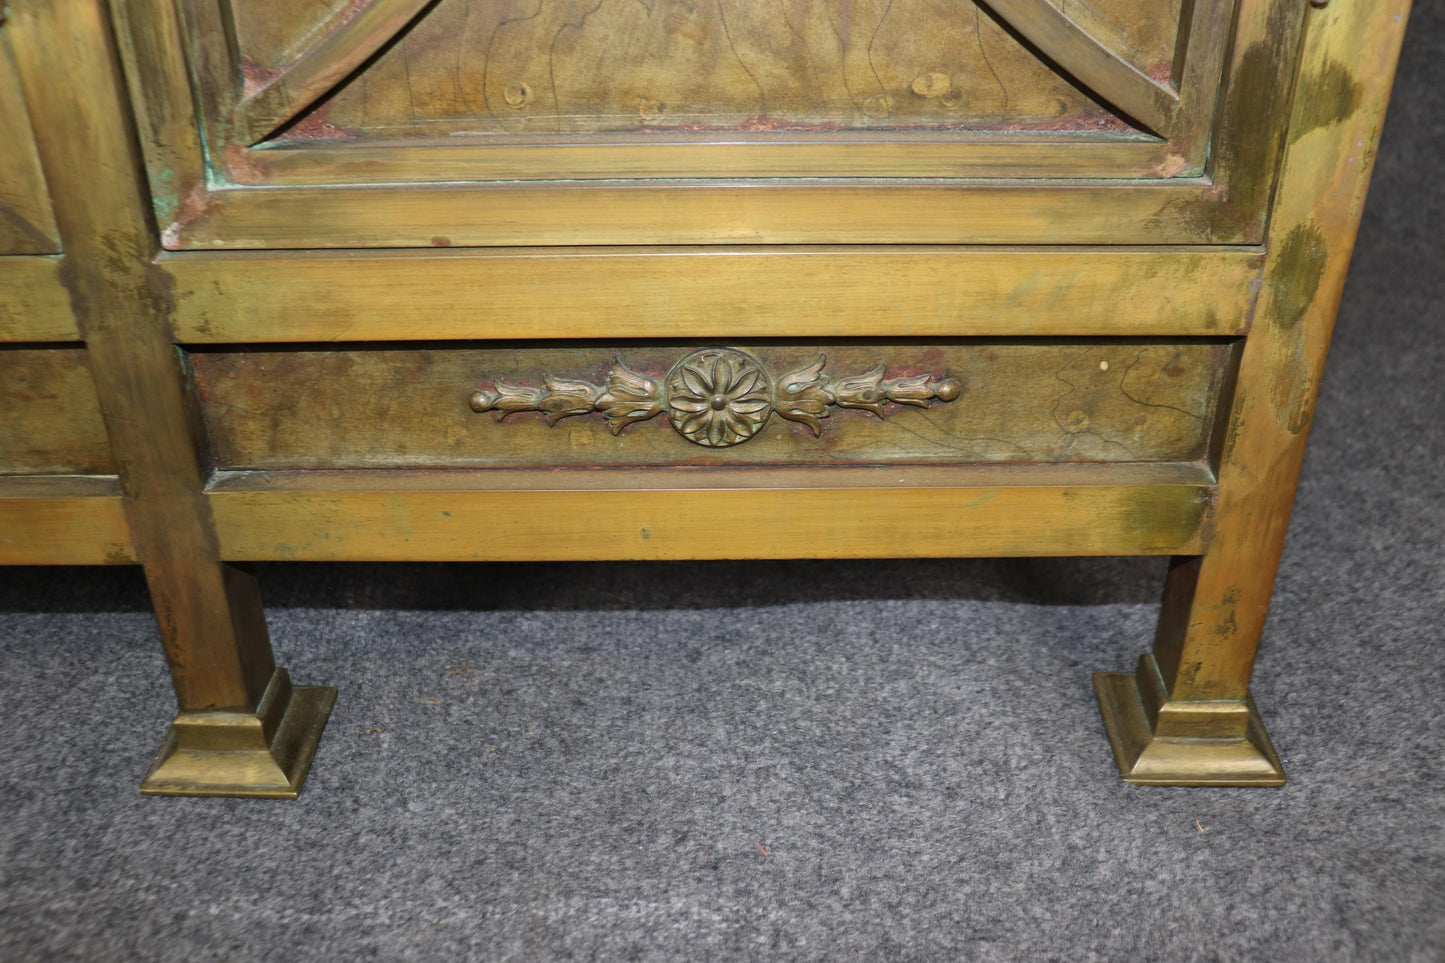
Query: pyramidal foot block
x,y
1162,743
264,754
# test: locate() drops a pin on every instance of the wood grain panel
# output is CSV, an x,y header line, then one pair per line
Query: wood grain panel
x,y
49,415
477,516
1116,401
568,66
719,293
34,306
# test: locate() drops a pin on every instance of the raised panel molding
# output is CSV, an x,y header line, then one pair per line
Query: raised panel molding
x,y
403,123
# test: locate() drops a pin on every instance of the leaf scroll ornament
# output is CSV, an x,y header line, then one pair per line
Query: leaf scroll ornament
x,y
716,397
803,395
628,397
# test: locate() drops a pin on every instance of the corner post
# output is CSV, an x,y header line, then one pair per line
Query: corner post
x,y
1184,717
242,729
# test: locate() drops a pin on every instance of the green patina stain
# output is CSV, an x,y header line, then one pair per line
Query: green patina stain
x,y
1236,208
1251,131
1299,266
1300,417
1243,150
165,201
1328,97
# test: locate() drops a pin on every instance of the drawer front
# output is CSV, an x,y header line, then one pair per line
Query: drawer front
x,y
520,405
386,123
49,417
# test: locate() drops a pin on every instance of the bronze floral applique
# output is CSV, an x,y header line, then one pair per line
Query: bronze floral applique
x,y
716,397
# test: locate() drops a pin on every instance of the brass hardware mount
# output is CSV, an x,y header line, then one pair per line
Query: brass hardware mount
x,y
716,397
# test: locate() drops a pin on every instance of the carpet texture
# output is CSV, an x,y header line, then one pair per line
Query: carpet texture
x,y
870,760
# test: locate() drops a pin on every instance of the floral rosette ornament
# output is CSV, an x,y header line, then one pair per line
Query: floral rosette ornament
x,y
718,397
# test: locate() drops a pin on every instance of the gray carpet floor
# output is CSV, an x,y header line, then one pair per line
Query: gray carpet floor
x,y
881,760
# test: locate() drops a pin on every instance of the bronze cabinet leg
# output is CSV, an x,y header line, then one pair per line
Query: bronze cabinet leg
x,y
1185,716
242,729
263,752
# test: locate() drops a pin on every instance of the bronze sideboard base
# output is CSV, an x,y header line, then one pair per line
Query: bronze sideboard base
x,y
1161,743
265,754
253,295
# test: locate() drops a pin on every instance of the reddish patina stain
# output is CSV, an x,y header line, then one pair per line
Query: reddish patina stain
x,y
315,127
241,166
256,76
349,12
1101,121
193,207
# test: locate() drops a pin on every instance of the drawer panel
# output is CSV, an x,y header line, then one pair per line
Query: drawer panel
x,y
521,405
49,416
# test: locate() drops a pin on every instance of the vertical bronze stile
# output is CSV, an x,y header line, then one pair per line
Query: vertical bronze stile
x,y
242,729
1185,717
